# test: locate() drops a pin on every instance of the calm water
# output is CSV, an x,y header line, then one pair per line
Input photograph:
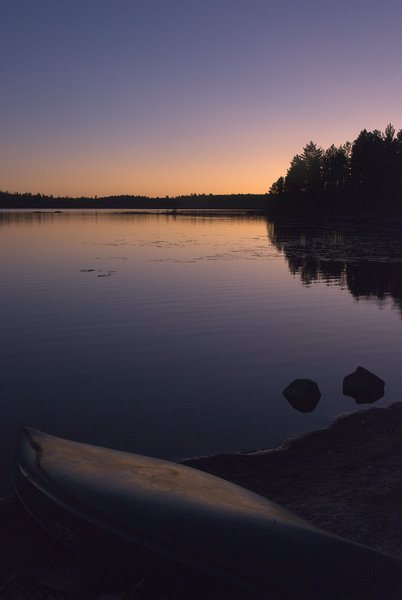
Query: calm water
x,y
174,335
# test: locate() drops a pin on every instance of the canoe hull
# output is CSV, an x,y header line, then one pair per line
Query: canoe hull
x,y
176,519
102,546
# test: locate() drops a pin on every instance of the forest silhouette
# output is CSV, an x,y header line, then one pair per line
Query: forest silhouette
x,y
365,175
362,178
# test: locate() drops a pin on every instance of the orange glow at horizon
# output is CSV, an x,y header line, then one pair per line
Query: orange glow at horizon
x,y
246,165
160,175
177,98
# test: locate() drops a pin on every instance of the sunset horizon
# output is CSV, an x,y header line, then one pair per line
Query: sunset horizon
x,y
157,100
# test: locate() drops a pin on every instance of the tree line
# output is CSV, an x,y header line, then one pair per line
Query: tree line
x,y
364,174
192,201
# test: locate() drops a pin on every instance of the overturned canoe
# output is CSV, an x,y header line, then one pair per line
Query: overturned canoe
x,y
126,510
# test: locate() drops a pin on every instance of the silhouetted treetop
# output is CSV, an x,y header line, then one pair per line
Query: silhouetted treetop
x,y
365,174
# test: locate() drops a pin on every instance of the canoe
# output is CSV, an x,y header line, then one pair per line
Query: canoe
x,y
127,511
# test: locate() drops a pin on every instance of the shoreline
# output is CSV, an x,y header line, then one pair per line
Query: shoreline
x,y
344,478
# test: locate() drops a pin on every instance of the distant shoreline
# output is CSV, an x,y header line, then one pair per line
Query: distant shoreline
x,y
281,210
195,201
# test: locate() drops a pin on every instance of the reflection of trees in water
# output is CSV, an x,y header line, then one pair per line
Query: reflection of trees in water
x,y
382,280
366,262
34,217
196,217
311,270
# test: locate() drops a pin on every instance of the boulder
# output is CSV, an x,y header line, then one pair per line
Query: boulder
x,y
302,394
362,385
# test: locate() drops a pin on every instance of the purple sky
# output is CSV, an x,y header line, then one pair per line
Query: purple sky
x,y
178,96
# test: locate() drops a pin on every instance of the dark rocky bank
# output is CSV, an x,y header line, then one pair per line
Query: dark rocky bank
x,y
346,478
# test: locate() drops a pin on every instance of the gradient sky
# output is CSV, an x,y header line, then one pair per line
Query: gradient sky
x,y
172,97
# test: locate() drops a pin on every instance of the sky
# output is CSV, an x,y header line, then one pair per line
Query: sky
x,y
170,97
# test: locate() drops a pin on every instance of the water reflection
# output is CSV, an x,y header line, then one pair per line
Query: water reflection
x,y
35,217
195,217
186,349
366,261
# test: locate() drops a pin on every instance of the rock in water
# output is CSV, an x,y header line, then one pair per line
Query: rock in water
x,y
362,385
303,394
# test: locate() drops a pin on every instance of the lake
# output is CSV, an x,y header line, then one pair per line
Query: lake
x,y
174,335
